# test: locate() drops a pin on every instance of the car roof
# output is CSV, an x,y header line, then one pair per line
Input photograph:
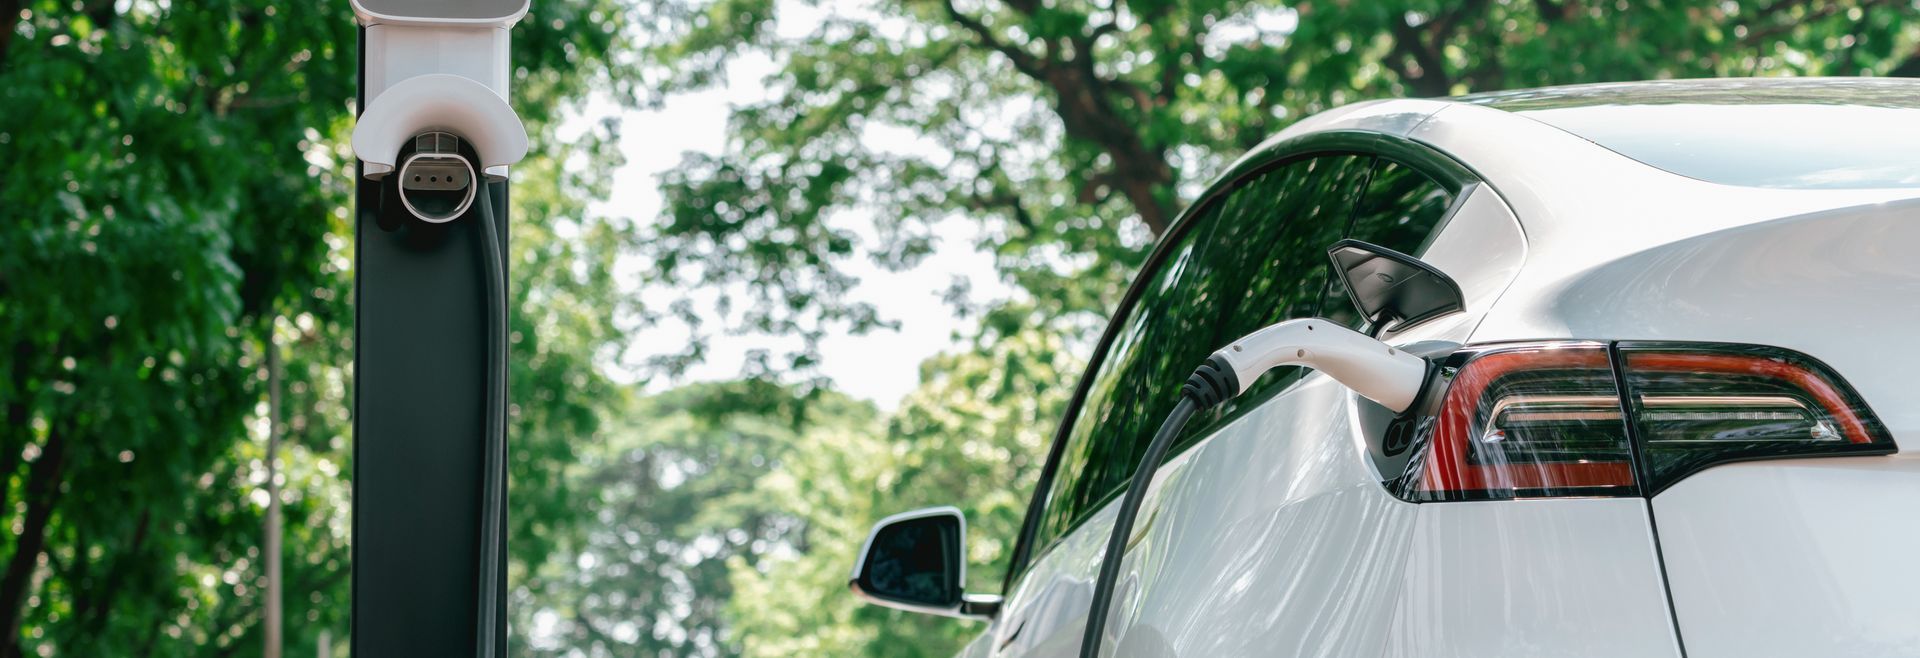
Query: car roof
x,y
1660,111
1900,93
1758,132
1555,152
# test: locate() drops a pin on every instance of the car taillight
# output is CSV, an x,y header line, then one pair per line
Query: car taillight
x,y
1538,419
1550,419
1698,405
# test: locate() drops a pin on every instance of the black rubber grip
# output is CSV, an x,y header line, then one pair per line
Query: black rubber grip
x,y
1212,383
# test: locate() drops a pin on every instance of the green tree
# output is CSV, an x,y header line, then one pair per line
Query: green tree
x,y
725,515
972,435
175,191
672,501
1073,132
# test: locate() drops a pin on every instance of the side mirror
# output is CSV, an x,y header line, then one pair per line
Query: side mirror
x,y
917,561
1391,287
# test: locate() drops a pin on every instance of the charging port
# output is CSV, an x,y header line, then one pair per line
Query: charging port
x,y
436,183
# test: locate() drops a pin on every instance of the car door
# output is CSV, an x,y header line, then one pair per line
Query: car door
x,y
1279,468
1252,254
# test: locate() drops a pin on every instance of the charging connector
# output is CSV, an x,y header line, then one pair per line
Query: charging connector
x,y
1375,370
436,182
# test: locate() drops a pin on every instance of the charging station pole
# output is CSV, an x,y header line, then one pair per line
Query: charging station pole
x,y
429,475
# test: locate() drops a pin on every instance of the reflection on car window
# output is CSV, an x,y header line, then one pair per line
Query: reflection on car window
x,y
1254,257
1401,210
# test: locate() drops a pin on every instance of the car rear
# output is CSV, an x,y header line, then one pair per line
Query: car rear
x,y
1713,329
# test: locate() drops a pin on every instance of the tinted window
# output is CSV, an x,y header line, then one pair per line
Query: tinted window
x,y
1400,210
1254,257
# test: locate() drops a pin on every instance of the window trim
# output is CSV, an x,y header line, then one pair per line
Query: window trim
x,y
1442,168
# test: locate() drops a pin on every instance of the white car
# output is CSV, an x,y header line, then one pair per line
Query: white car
x,y
1673,409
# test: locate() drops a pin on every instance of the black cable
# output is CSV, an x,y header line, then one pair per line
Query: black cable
x,y
1123,524
494,441
1209,385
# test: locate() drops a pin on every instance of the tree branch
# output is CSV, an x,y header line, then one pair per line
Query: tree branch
x,y
1011,203
1757,35
1083,101
1425,44
1022,60
19,429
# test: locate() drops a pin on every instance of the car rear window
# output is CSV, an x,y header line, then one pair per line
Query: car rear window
x,y
1783,145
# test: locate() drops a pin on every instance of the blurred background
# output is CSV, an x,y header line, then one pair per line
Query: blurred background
x,y
780,268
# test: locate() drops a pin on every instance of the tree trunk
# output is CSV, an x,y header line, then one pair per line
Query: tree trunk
x,y
275,585
9,21
19,429
42,492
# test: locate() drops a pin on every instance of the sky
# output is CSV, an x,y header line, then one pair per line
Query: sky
x,y
881,366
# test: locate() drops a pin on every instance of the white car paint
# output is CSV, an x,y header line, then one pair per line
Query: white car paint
x,y
1305,553
1176,597
1623,251
1572,577
1810,557
1274,535
1779,558
1482,249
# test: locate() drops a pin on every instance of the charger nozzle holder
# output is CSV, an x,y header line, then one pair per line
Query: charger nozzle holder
x,y
436,182
439,102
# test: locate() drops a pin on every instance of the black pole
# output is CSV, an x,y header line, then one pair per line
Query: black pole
x,y
420,399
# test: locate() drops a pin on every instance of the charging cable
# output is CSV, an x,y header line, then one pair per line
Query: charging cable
x,y
494,441
1375,370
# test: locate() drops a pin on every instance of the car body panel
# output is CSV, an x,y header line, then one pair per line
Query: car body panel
x,y
1818,271
1623,251
1533,578
1805,557
980,647
1481,248
1875,92
1046,612
1303,548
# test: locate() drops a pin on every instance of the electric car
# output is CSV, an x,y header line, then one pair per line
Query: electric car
x,y
1671,407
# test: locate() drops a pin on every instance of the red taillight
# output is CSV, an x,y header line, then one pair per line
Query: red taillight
x,y
1697,405
1529,420
1549,419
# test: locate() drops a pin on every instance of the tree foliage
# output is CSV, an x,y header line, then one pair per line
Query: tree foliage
x,y
973,435
174,182
671,502
1075,131
174,195
725,518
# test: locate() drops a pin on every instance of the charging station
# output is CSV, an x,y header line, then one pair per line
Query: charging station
x,y
436,139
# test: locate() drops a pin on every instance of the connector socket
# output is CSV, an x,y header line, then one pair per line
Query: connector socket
x,y
436,182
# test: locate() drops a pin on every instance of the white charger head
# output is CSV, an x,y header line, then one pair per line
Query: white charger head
x,y
1377,371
